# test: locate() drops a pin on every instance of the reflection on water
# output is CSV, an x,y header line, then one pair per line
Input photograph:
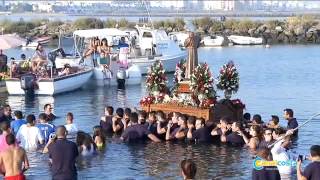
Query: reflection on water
x,y
270,80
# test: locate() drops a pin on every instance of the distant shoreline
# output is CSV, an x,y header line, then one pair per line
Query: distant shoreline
x,y
172,14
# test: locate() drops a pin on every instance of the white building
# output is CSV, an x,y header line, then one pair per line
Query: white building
x,y
223,5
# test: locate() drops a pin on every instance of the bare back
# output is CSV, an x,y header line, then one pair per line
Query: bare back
x,y
14,160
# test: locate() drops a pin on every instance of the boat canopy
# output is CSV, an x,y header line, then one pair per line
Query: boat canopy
x,y
101,33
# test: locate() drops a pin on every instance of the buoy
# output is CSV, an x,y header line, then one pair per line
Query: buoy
x,y
267,46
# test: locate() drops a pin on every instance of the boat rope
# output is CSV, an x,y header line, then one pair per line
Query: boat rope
x,y
304,123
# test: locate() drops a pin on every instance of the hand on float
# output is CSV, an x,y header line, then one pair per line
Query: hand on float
x,y
289,132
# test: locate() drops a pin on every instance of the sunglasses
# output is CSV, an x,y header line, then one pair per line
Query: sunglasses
x,y
268,134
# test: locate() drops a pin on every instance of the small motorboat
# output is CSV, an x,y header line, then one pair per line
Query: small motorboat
x,y
32,44
213,40
245,40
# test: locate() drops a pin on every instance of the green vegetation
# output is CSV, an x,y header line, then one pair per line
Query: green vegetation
x,y
297,26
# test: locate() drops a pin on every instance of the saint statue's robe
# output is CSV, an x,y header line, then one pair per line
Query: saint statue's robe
x,y
192,43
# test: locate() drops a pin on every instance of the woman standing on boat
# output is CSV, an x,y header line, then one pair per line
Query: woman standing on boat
x,y
104,51
92,50
39,58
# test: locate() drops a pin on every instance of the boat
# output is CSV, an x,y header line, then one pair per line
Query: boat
x,y
115,74
32,44
213,40
155,45
245,40
26,83
179,37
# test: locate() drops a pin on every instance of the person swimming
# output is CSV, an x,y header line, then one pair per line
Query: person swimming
x,y
99,137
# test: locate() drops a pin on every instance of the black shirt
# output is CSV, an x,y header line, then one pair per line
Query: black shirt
x,y
51,117
3,63
312,171
63,154
107,125
135,132
202,135
267,173
292,124
235,139
152,128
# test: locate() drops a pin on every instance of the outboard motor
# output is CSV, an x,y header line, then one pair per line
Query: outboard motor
x,y
52,57
121,78
27,83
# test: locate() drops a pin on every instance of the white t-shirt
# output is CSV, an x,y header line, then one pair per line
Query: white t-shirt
x,y
280,154
29,137
71,128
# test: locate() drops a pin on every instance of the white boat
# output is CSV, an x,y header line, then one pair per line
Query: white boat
x,y
156,45
179,37
213,40
245,40
48,86
101,75
34,43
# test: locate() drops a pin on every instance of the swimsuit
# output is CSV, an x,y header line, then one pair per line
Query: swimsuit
x,y
16,177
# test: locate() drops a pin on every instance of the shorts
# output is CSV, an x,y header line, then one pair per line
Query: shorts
x,y
17,177
104,60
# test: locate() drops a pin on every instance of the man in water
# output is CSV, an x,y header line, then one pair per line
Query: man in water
x,y
137,131
292,122
14,160
312,171
234,138
62,154
6,114
29,135
18,122
45,128
267,139
48,111
106,120
188,169
201,134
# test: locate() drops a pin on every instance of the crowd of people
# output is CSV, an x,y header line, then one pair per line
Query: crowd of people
x,y
268,140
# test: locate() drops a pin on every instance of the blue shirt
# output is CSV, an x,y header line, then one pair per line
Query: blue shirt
x,y
122,44
16,124
46,129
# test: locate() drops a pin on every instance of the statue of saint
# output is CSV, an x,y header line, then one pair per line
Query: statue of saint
x,y
192,43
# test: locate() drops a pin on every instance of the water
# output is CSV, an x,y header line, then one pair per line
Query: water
x,y
271,79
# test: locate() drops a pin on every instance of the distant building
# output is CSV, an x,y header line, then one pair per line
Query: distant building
x,y
43,7
222,5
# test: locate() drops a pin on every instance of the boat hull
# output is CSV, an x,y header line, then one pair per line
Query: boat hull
x,y
52,86
101,78
169,62
243,40
218,41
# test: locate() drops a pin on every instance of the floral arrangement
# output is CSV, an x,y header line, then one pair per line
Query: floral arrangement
x,y
145,101
156,79
201,86
228,80
179,74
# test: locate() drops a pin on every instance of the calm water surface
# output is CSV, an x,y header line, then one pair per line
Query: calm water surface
x,y
271,79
